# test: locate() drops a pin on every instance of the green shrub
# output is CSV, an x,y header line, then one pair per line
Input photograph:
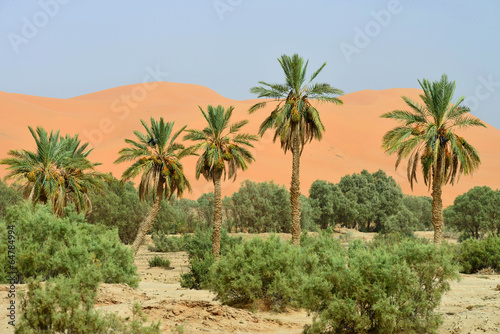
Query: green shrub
x,y
383,287
201,259
475,213
9,196
118,206
402,222
163,243
474,255
269,272
266,271
48,246
158,261
66,305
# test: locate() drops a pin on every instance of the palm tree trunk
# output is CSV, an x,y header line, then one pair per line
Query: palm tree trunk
x,y
217,214
146,225
437,203
295,192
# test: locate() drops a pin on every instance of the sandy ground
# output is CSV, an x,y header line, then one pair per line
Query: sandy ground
x,y
472,305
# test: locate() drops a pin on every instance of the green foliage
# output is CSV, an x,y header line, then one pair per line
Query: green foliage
x,y
119,207
261,207
402,222
330,205
363,201
66,305
385,287
201,258
421,208
264,208
158,261
258,270
205,209
474,255
9,196
475,213
163,243
48,246
307,215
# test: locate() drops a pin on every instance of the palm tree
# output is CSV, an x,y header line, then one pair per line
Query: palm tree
x,y
294,119
222,153
427,136
156,156
58,171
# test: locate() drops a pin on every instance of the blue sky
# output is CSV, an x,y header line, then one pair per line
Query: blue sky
x,y
65,48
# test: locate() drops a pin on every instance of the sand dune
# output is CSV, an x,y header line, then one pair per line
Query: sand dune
x,y
350,144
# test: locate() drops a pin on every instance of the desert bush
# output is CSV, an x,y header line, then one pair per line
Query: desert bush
x,y
362,201
475,213
421,208
266,271
118,206
474,255
163,243
48,246
178,216
402,222
384,287
201,259
158,261
9,196
66,305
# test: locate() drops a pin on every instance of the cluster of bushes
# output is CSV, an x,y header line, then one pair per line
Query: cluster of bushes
x,y
9,196
264,207
255,208
66,305
368,202
475,213
201,258
474,255
72,257
118,206
390,285
164,243
47,246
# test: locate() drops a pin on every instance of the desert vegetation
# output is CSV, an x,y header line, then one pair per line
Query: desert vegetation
x,y
77,227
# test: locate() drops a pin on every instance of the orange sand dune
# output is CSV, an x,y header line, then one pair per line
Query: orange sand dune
x,y
350,144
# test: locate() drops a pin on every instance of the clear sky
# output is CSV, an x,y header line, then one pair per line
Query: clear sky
x,y
65,48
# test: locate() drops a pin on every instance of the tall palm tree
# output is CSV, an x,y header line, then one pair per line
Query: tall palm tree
x,y
156,156
222,153
58,171
294,119
427,136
